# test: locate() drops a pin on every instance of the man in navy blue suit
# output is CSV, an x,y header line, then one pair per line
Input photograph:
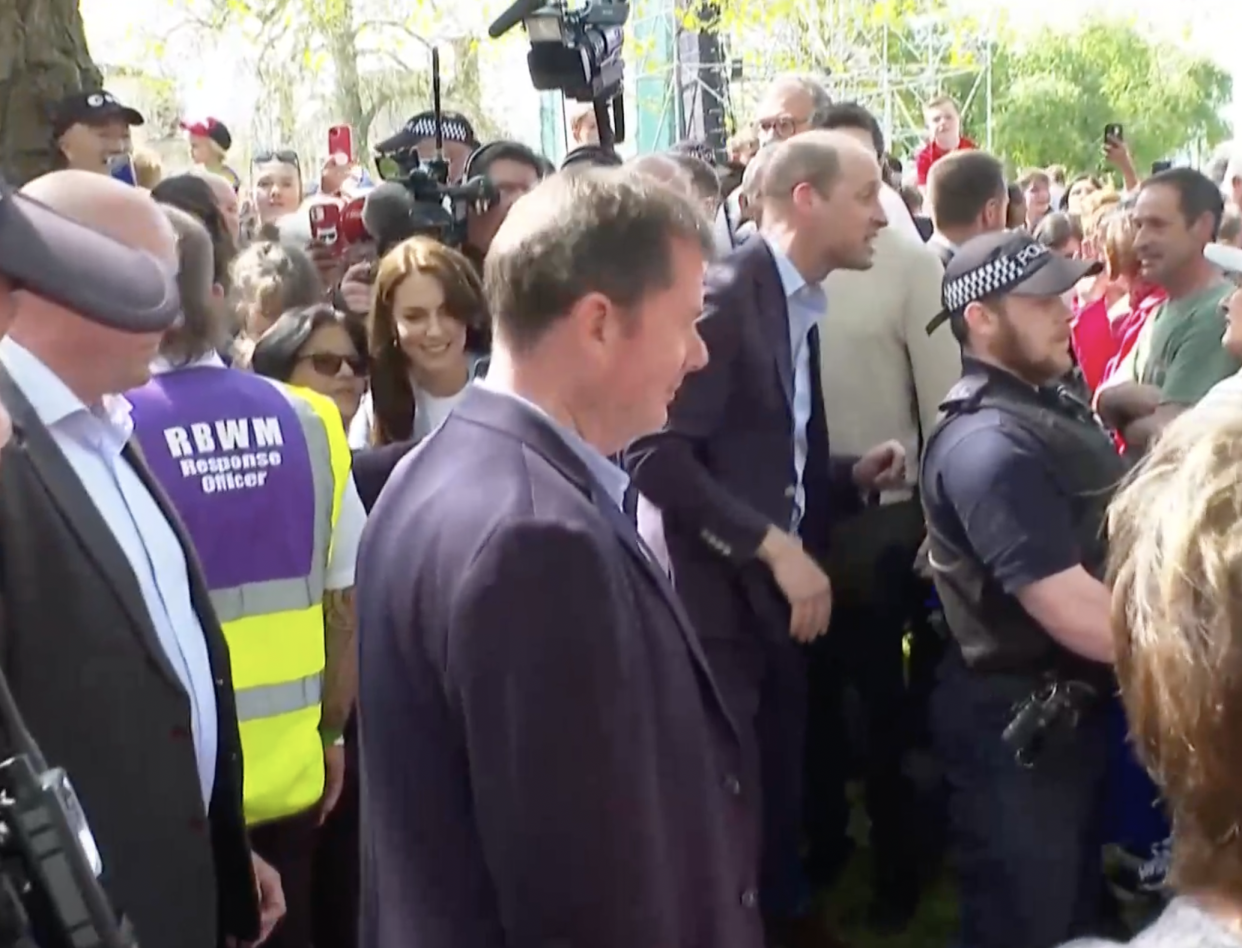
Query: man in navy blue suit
x,y
546,758
743,488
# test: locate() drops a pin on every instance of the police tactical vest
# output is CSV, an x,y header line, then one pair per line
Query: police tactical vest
x,y
256,473
992,629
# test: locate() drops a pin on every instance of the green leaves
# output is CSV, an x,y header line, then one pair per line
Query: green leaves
x,y
1051,92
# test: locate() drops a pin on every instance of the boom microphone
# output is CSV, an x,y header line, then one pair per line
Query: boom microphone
x,y
388,214
513,15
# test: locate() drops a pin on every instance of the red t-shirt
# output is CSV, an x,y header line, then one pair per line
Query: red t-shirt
x,y
930,153
1094,345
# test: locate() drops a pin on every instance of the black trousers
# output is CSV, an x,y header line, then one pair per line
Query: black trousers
x,y
335,882
763,682
289,846
858,723
1025,842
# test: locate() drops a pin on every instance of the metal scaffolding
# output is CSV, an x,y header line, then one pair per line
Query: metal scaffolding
x,y
891,71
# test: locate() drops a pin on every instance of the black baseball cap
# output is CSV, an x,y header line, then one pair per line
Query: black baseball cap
x,y
1006,263
83,270
91,108
421,127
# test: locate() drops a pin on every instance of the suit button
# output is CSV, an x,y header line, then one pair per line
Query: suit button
x,y
733,786
750,899
791,491
180,734
198,825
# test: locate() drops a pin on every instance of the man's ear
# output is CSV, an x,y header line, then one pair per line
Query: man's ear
x,y
217,291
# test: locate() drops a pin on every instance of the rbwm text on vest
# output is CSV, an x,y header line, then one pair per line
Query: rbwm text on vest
x,y
230,454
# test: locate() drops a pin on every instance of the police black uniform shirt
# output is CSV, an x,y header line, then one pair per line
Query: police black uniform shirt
x,y
990,488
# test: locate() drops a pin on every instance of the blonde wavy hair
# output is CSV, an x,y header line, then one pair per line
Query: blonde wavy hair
x,y
1175,533
268,278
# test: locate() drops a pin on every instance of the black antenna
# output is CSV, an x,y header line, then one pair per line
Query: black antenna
x,y
435,101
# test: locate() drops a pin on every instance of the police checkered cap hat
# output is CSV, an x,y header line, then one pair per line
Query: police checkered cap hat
x,y
422,127
1006,263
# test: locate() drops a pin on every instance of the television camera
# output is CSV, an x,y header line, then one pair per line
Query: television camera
x,y
577,51
431,204
50,896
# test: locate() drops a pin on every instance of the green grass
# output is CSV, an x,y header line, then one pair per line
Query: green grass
x,y
935,925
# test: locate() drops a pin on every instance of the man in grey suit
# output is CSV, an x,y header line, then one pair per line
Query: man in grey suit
x,y
546,758
107,634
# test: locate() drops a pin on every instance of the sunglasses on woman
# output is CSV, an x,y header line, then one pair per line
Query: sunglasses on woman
x,y
329,364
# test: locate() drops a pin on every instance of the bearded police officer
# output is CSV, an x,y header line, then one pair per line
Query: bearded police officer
x,y
260,475
1016,477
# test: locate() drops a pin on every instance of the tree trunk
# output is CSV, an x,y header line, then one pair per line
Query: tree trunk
x,y
43,56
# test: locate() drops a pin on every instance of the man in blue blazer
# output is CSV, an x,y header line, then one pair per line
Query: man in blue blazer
x,y
546,758
743,489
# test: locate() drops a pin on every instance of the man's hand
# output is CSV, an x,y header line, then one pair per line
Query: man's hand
x,y
328,263
881,468
357,289
271,897
333,780
804,584
1124,403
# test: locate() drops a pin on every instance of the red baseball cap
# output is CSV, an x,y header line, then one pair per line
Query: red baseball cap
x,y
211,128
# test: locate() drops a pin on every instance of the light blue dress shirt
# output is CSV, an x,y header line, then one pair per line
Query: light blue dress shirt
x,y
807,305
92,441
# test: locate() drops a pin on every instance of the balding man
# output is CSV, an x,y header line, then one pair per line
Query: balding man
x,y
664,169
109,639
742,481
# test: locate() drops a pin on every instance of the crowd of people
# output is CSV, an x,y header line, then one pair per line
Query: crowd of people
x,y
555,587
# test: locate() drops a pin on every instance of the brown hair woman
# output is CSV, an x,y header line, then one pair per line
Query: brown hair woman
x,y
428,338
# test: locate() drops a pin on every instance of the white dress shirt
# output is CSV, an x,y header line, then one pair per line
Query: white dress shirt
x,y
351,518
92,441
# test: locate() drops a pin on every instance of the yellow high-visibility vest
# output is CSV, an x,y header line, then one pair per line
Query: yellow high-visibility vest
x,y
275,634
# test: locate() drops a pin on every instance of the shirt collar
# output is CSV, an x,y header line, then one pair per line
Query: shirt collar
x,y
51,398
792,280
611,477
212,360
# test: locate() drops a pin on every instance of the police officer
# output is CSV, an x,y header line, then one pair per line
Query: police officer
x,y
1016,477
260,475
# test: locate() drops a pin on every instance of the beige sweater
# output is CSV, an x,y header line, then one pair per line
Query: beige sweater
x,y
883,376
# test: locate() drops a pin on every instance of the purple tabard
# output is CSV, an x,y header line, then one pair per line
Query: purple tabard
x,y
230,451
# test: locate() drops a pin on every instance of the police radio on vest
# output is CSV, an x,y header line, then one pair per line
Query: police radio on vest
x,y
229,454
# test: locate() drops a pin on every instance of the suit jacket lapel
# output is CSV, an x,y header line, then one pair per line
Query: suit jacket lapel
x,y
773,308
630,539
507,414
82,517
